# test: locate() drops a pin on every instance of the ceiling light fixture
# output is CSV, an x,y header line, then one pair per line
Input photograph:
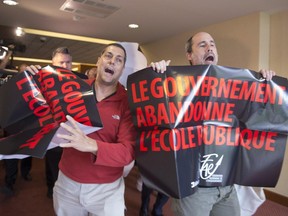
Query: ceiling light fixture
x,y
77,18
19,32
47,61
91,8
133,26
10,2
67,36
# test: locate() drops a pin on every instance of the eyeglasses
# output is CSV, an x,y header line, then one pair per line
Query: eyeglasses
x,y
118,60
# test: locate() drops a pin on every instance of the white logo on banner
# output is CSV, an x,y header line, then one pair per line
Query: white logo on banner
x,y
209,166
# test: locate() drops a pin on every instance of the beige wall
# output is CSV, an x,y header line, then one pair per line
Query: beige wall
x,y
255,41
279,43
279,62
237,42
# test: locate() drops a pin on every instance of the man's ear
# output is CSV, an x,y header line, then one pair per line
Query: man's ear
x,y
189,56
97,61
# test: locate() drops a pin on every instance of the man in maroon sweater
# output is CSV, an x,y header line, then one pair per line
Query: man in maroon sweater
x,y
91,168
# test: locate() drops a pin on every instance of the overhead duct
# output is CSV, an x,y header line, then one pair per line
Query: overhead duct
x,y
88,8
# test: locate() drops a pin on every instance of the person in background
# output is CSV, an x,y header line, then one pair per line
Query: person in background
x,y
11,169
7,53
11,165
217,201
161,200
61,57
91,73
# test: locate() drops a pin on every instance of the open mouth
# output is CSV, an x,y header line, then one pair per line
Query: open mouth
x,y
107,70
209,58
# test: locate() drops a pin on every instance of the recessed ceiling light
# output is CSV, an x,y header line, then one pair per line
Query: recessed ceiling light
x,y
77,18
19,32
133,26
10,2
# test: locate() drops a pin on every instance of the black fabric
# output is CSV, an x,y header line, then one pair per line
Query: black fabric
x,y
52,159
161,200
11,169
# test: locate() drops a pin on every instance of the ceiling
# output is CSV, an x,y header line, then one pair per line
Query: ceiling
x,y
157,19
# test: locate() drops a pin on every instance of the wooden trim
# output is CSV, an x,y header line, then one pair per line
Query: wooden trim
x,y
278,198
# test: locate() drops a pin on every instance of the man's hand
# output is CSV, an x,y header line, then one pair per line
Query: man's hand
x,y
33,69
161,66
76,138
267,74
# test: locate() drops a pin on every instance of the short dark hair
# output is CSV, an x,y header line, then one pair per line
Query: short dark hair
x,y
62,50
188,45
116,45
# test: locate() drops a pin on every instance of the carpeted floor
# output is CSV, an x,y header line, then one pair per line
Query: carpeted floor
x,y
30,197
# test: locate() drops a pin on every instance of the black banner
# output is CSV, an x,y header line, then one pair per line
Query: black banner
x,y
31,108
208,125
